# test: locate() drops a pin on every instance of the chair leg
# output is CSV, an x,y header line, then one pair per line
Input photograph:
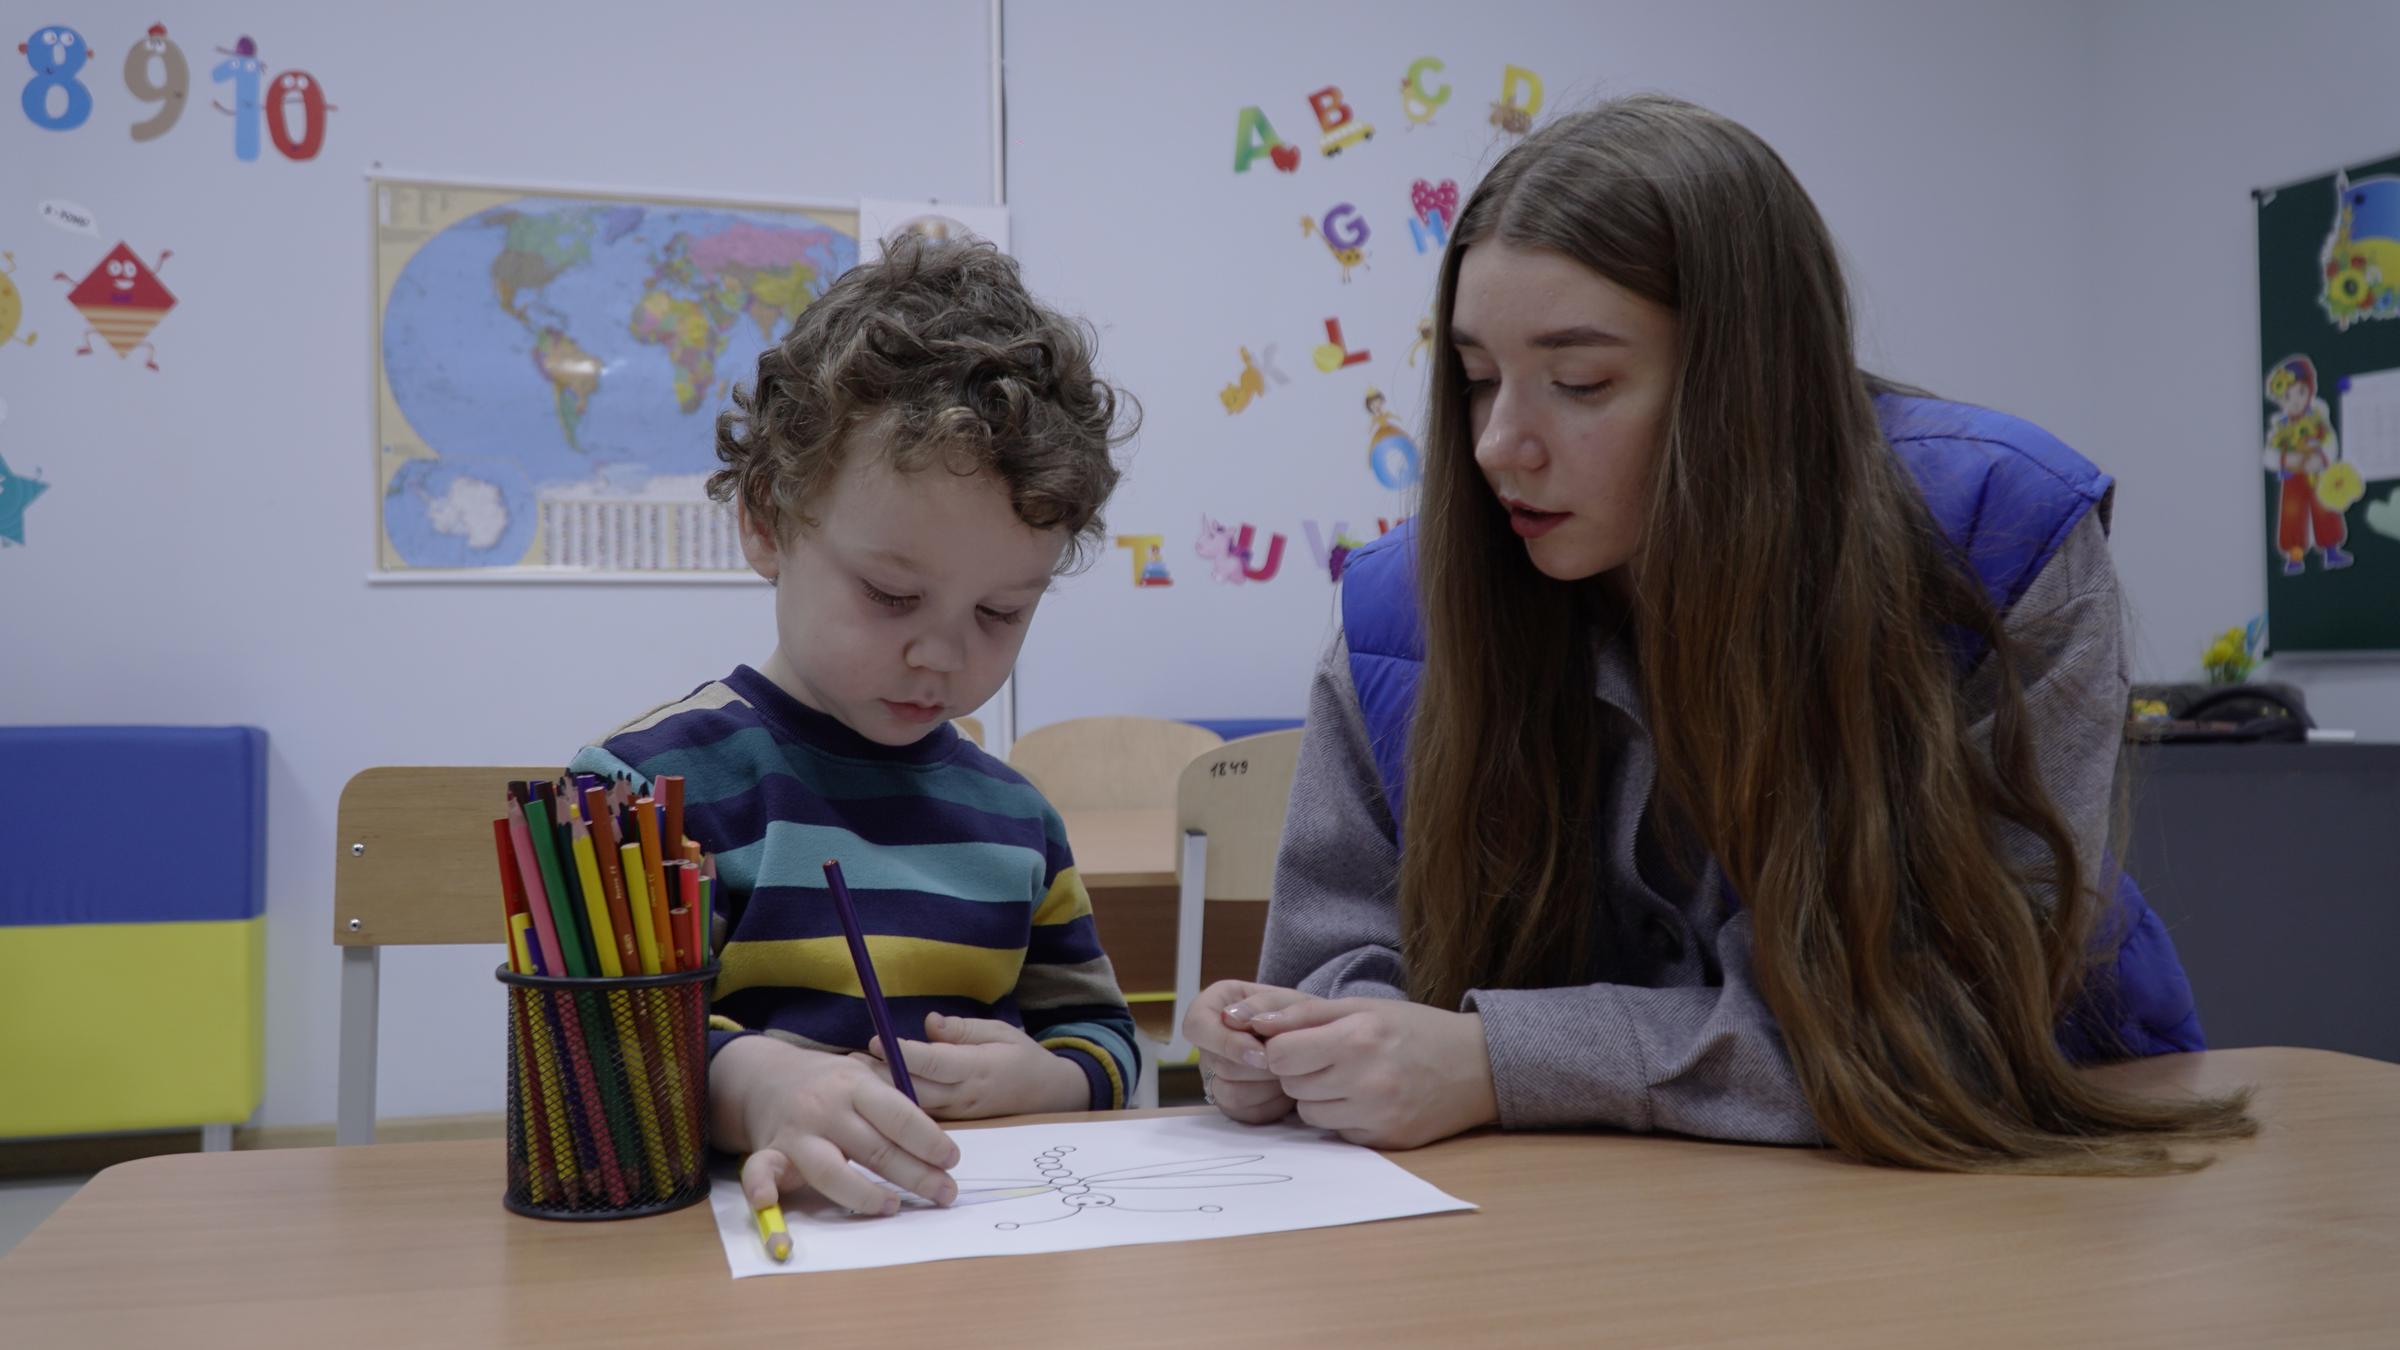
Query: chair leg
x,y
354,1107
216,1138
1191,904
1145,1088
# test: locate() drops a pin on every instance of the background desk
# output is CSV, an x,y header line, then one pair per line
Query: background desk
x,y
2290,1240
2274,866
1127,859
2277,870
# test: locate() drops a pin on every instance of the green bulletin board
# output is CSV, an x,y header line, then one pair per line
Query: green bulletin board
x,y
2328,427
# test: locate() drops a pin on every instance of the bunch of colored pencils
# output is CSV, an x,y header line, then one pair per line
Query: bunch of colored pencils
x,y
607,1082
606,884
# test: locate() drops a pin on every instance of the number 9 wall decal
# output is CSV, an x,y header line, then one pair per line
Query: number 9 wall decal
x,y
155,72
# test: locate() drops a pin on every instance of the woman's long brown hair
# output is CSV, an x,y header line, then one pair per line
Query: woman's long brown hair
x,y
1791,597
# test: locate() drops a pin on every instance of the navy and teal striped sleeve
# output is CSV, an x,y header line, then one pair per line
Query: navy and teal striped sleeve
x,y
1068,992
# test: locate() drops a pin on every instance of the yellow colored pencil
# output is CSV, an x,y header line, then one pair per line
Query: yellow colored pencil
x,y
530,1108
540,1180
640,1087
595,903
687,1152
771,1232
637,899
554,1103
520,939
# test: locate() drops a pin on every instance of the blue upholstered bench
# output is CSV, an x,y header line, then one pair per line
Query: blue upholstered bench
x,y
1235,728
132,929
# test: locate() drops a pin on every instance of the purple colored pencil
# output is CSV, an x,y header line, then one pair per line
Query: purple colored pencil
x,y
877,1011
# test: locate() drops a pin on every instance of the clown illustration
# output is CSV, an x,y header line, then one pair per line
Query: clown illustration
x,y
2305,455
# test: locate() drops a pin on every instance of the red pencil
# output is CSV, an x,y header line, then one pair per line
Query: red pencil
x,y
695,919
512,891
612,878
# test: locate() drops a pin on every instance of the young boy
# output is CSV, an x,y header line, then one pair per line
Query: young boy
x,y
918,458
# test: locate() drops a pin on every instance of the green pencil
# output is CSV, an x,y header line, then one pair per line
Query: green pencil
x,y
573,943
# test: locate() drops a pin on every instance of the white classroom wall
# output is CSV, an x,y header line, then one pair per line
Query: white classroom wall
x,y
2200,103
1944,143
1993,172
2044,208
201,555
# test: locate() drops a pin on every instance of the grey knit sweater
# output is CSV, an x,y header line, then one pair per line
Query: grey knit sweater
x,y
1670,1034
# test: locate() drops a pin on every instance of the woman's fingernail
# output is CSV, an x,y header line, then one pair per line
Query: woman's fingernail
x,y
1256,1059
1268,1018
1239,1012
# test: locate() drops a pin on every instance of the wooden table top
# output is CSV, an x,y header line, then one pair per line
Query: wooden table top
x,y
2289,1240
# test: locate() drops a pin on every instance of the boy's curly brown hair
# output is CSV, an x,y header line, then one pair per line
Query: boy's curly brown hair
x,y
936,355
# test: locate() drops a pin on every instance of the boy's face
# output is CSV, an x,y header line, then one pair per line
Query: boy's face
x,y
906,604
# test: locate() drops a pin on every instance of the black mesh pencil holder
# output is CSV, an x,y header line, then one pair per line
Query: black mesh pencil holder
x,y
607,1089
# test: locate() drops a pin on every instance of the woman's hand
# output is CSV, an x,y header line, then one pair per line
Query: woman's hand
x,y
1233,1062
1379,1072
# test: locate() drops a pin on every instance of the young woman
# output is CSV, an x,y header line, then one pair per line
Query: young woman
x,y
1729,746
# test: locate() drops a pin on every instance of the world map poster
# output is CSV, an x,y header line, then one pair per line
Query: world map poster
x,y
550,365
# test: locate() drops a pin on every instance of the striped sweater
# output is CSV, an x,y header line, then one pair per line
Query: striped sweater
x,y
970,901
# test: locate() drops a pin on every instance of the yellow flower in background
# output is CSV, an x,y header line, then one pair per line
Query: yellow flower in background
x,y
2227,659
2340,487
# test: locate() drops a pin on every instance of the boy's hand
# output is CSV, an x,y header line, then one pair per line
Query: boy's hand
x,y
968,1068
803,1116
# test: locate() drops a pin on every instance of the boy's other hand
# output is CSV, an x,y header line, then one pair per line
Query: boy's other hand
x,y
970,1068
803,1116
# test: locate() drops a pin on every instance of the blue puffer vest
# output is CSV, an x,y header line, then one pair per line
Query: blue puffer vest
x,y
2007,493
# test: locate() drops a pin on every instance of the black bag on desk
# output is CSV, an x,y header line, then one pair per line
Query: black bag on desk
x,y
2223,712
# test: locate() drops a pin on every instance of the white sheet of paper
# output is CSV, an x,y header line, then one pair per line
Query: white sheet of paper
x,y
2371,424
1057,1188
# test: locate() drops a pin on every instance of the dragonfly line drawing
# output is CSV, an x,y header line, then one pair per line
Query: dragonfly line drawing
x,y
1078,1191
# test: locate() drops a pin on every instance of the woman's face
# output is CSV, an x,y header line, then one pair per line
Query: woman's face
x,y
1568,380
